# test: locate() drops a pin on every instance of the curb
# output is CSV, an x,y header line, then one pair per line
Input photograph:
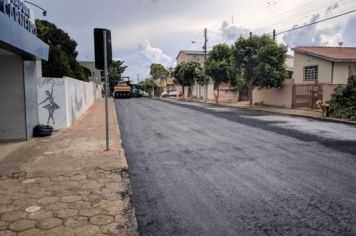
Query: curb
x,y
123,159
125,167
325,119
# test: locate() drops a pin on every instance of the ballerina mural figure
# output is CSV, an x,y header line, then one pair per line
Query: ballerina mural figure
x,y
51,106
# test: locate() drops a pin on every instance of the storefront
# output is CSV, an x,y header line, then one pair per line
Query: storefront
x,y
21,53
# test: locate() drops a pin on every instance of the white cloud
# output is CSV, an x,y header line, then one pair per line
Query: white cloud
x,y
231,32
154,55
171,25
322,34
349,33
307,36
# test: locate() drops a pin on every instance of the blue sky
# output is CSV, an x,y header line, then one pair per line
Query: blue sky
x,y
153,31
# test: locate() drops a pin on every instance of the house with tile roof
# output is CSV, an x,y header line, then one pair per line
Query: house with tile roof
x,y
324,65
190,55
317,71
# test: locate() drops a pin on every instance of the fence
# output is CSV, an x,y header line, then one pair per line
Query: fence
x,y
306,95
225,93
61,101
290,95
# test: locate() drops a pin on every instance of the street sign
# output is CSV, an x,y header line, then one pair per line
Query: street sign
x,y
99,48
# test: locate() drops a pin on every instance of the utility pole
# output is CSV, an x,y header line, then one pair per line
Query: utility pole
x,y
205,43
205,58
274,34
138,78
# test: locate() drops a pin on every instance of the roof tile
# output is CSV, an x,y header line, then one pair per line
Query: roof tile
x,y
330,53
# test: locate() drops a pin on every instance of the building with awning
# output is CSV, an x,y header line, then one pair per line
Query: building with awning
x,y
21,52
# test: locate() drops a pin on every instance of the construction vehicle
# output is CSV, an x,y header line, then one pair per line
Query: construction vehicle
x,y
122,90
136,90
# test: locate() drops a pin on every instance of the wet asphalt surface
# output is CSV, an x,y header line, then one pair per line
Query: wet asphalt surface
x,y
201,170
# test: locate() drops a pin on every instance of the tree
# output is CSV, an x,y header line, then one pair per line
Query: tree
x,y
219,66
187,73
149,86
115,71
260,61
343,101
62,60
158,71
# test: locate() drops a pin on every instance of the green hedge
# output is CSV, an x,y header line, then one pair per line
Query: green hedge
x,y
343,101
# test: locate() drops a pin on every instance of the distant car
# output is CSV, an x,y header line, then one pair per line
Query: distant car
x,y
171,94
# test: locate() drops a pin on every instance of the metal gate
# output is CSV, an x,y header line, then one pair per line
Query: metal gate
x,y
307,95
243,94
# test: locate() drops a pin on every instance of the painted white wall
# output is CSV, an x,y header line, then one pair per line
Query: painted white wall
x,y
70,100
195,90
186,90
325,73
59,120
301,60
211,95
32,71
341,73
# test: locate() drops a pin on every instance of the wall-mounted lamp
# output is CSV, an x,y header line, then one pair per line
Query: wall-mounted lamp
x,y
44,11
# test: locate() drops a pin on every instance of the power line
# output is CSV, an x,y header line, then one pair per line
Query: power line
x,y
316,22
214,32
257,11
299,9
296,17
250,7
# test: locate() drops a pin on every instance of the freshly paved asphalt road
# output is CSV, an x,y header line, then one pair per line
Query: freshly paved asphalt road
x,y
203,170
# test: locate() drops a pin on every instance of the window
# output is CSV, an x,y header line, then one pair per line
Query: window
x,y
311,73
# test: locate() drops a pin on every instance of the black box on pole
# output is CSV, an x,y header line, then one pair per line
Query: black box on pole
x,y
99,48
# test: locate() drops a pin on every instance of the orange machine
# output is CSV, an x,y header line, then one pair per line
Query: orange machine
x,y
122,90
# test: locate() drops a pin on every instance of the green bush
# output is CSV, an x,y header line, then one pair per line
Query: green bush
x,y
343,101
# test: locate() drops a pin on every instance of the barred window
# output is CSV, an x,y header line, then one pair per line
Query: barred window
x,y
310,72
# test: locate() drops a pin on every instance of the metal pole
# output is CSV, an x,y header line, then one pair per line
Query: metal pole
x,y
205,58
106,91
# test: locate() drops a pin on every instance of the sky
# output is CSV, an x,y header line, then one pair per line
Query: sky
x,y
154,31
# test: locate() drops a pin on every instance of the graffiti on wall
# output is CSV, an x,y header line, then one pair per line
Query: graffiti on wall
x,y
44,82
64,100
51,105
78,102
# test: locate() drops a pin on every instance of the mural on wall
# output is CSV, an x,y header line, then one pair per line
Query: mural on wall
x,y
78,102
51,106
64,100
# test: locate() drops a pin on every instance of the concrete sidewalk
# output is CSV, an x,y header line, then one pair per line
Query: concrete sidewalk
x,y
308,113
67,184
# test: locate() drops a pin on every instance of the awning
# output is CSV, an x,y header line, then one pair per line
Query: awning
x,y
16,37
